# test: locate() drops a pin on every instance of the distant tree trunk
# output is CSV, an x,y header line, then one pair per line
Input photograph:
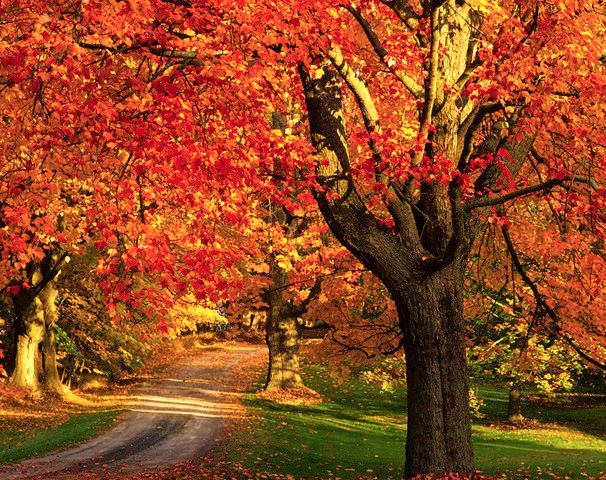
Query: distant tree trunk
x,y
10,352
283,340
514,406
49,349
283,336
30,331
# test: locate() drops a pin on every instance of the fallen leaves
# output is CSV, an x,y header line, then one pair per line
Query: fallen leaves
x,y
292,396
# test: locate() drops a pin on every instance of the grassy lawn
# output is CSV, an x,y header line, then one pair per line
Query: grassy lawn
x,y
18,445
360,431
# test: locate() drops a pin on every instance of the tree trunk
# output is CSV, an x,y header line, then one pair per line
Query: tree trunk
x,y
514,406
439,433
30,330
283,339
283,336
10,352
51,375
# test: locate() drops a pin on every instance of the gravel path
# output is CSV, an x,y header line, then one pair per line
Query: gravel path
x,y
173,419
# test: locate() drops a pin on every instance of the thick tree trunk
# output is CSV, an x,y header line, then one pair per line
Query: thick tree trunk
x,y
514,406
52,378
439,433
30,331
283,337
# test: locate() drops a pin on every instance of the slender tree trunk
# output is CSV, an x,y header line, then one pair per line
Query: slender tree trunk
x,y
283,336
514,406
439,432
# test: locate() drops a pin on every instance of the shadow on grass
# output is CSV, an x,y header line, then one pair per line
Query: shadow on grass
x,y
588,420
361,430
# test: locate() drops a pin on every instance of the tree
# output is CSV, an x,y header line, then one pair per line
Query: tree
x,y
478,113
510,337
285,279
83,147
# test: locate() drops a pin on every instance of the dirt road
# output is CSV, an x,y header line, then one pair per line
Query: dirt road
x,y
176,418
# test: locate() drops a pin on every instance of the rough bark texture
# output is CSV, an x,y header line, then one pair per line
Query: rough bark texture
x,y
283,340
35,318
52,379
283,336
439,432
30,331
514,406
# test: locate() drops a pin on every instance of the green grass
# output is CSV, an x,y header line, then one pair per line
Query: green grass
x,y
360,431
15,446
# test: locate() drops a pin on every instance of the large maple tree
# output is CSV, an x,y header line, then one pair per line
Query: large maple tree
x,y
447,104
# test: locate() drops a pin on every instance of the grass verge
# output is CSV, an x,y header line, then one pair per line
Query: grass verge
x,y
359,430
27,443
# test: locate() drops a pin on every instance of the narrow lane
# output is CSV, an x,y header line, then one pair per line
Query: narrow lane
x,y
171,420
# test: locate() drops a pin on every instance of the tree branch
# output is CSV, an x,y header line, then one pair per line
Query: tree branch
x,y
468,129
404,12
542,304
314,293
408,82
49,273
466,75
541,187
191,57
434,264
431,90
361,349
358,88
399,210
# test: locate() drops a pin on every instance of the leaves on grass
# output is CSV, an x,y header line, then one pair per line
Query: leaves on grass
x,y
292,396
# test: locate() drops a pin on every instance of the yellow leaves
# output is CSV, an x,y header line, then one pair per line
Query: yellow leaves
x,y
409,130
23,151
284,262
131,63
43,19
210,316
486,6
333,12
260,268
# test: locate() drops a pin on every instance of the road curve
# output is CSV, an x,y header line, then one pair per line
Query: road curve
x,y
173,419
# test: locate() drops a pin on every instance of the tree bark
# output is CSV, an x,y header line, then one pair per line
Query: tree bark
x,y
52,379
30,331
283,336
514,406
439,432
283,340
